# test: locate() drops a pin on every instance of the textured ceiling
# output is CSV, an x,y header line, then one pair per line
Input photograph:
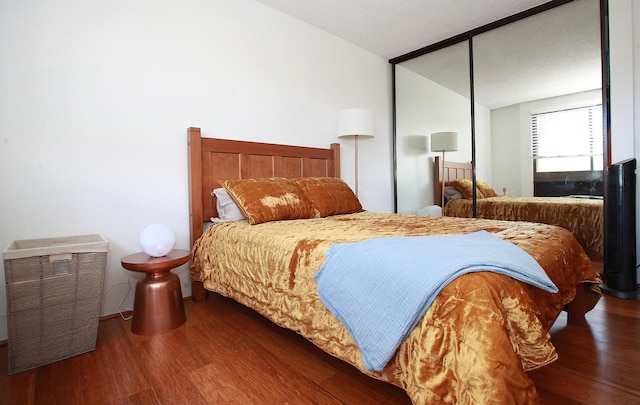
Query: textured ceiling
x,y
391,28
553,53
556,54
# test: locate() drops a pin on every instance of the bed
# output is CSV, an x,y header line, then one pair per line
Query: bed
x,y
581,216
476,341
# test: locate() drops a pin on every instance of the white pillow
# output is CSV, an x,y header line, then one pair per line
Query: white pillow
x,y
451,193
227,208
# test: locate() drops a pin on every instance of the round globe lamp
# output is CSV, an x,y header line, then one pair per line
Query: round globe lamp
x,y
157,240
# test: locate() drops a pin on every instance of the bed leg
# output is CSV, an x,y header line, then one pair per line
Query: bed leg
x,y
575,316
198,292
583,302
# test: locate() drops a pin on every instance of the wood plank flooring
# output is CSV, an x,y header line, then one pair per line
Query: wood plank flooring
x,y
227,354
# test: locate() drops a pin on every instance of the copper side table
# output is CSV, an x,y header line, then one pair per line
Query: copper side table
x,y
158,305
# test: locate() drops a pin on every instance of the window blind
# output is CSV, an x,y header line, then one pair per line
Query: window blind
x,y
568,140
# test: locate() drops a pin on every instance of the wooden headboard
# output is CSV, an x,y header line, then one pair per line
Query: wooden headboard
x,y
212,160
452,171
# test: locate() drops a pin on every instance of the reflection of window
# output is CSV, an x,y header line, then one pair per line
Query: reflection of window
x,y
568,140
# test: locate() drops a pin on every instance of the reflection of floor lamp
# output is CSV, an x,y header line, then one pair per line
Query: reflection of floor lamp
x,y
443,142
355,123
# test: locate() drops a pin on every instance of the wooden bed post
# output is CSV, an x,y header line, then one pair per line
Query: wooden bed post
x,y
334,170
196,215
438,181
584,301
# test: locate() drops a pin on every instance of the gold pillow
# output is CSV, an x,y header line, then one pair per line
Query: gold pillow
x,y
329,195
485,189
269,199
465,187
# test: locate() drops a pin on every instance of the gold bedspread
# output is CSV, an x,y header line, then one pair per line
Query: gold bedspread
x,y
474,344
583,217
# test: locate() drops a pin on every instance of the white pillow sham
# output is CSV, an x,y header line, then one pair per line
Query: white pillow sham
x,y
451,193
227,208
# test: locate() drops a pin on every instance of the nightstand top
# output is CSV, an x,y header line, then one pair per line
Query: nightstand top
x,y
142,262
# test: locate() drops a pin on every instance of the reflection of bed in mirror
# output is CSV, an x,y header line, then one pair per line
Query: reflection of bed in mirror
x,y
582,216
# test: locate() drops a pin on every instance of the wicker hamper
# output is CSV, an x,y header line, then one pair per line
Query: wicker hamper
x,y
54,292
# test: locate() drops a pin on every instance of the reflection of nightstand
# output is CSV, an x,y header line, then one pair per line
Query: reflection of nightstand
x,y
158,306
431,210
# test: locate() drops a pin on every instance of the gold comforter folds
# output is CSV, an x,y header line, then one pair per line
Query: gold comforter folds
x,y
583,217
474,344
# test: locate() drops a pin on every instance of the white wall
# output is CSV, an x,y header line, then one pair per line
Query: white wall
x,y
505,122
96,98
624,39
420,112
484,143
623,42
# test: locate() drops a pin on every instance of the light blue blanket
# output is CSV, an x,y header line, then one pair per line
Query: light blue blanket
x,y
380,288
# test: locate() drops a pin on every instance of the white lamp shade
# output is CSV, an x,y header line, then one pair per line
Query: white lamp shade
x,y
157,240
444,141
355,121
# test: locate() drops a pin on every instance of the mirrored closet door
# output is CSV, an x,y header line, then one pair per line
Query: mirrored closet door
x,y
543,60
432,95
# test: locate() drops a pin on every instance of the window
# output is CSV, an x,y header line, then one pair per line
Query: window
x,y
568,140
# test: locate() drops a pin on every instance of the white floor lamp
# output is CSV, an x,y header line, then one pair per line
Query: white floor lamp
x,y
443,142
355,123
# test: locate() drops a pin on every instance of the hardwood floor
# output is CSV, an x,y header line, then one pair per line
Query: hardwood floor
x,y
227,354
